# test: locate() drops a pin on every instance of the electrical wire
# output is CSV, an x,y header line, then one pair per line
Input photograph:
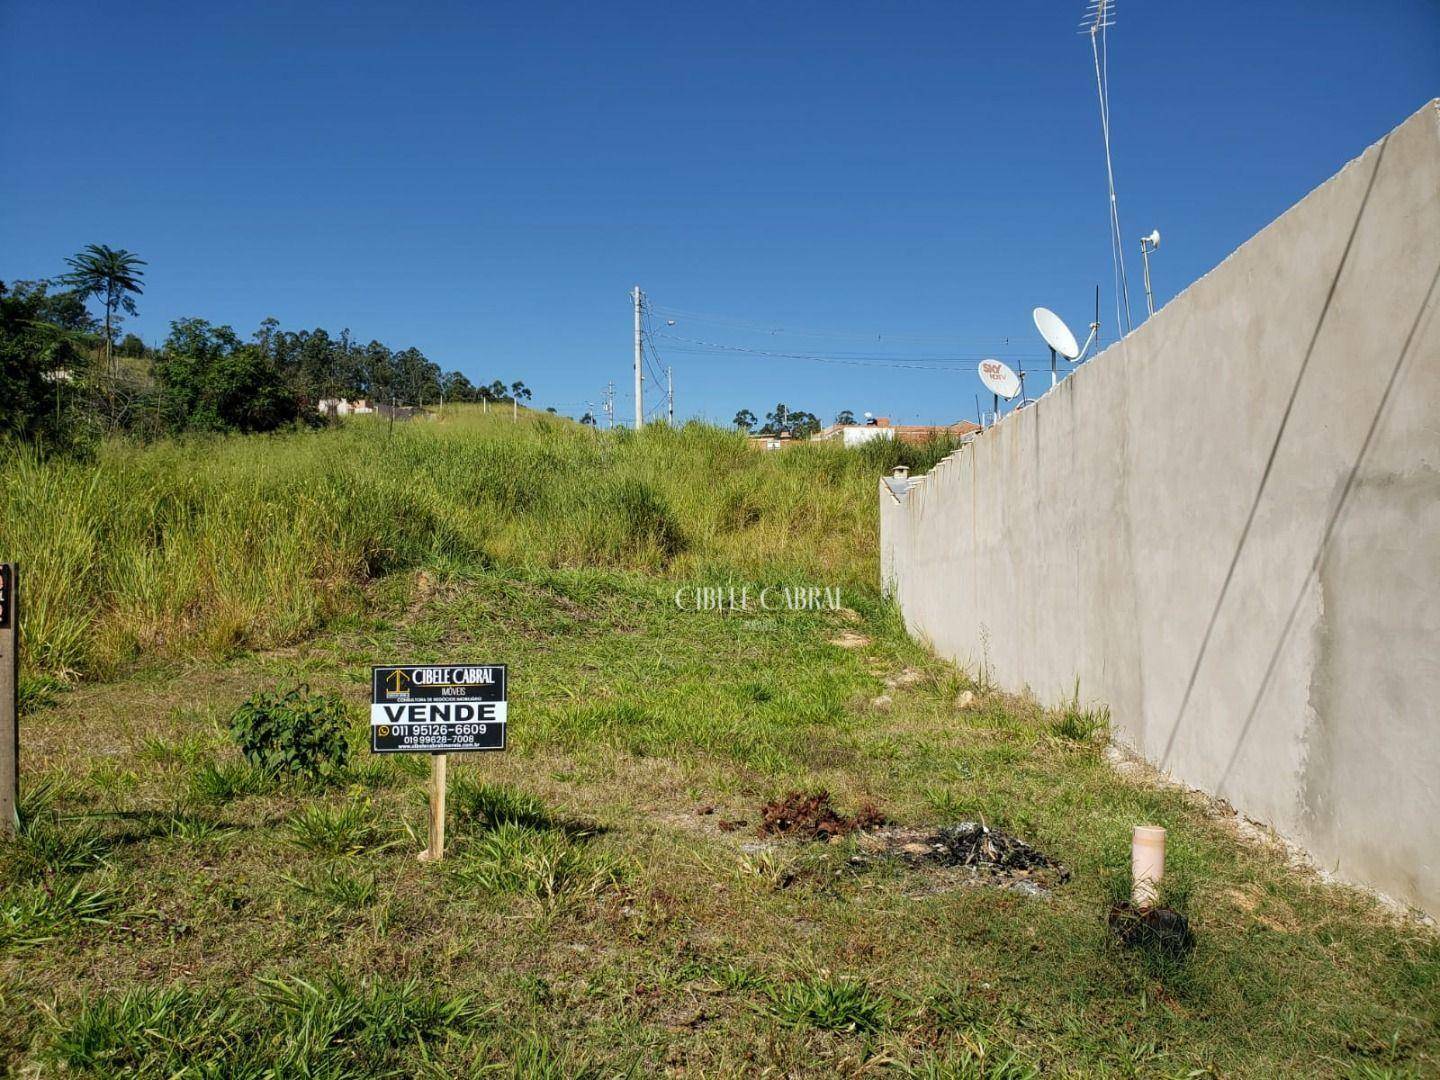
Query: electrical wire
x,y
772,328
898,362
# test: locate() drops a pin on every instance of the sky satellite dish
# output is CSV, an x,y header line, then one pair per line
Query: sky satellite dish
x,y
1056,334
999,379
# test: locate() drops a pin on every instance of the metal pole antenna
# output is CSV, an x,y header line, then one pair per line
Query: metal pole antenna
x,y
1147,245
670,392
639,299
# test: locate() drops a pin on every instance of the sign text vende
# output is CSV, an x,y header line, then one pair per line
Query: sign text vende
x,y
438,709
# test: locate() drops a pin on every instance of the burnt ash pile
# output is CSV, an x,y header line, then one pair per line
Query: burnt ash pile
x,y
986,855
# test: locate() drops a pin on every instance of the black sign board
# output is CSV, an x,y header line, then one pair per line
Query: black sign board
x,y
7,596
437,708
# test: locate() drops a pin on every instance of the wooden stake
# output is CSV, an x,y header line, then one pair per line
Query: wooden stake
x,y
436,851
9,700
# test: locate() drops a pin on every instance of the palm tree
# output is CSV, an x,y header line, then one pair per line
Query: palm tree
x,y
111,275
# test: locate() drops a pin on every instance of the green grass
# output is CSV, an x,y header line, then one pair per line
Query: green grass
x,y
203,548
347,829
830,1004
167,911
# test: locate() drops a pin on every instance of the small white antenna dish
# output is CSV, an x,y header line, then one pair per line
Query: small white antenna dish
x,y
1058,336
999,379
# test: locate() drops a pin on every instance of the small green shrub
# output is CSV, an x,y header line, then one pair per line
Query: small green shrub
x,y
297,732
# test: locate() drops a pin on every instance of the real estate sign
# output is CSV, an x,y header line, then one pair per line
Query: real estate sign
x,y
437,708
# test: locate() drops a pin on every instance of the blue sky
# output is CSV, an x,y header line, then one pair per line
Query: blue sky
x,y
486,181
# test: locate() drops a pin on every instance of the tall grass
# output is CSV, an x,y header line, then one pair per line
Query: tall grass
x,y
202,547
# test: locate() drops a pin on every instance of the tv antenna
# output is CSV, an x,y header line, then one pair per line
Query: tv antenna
x,y
1099,17
1000,381
1058,336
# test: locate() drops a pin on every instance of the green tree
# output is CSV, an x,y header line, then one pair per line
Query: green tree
x,y
588,418
803,424
131,345
41,370
113,275
845,416
745,419
210,381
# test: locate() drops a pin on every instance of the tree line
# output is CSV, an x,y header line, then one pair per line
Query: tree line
x,y
797,423
66,380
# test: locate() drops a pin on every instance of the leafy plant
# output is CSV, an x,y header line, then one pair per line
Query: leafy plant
x,y
296,733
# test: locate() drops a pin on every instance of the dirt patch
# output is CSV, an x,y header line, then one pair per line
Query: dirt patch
x,y
809,815
909,677
1159,929
849,639
971,850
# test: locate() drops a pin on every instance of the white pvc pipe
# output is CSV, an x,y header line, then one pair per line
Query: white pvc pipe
x,y
1147,865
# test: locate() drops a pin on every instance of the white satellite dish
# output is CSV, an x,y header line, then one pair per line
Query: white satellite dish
x,y
999,379
1056,334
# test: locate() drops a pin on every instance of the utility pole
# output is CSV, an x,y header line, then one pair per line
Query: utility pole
x,y
670,392
9,700
610,404
639,298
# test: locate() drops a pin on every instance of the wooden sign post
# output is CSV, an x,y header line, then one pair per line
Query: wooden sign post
x,y
437,709
436,850
9,700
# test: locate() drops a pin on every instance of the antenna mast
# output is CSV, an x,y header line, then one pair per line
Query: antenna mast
x,y
1099,16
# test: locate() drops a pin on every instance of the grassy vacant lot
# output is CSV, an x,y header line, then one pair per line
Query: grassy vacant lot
x,y
171,912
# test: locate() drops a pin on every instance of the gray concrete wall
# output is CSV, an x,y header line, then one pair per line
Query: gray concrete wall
x,y
1227,528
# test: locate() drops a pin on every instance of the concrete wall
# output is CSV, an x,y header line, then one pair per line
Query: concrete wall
x,y
1227,527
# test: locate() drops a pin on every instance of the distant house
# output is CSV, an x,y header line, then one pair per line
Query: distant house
x,y
773,442
398,412
919,433
879,427
343,407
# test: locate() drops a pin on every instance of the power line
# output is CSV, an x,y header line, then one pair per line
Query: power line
x,y
938,363
775,328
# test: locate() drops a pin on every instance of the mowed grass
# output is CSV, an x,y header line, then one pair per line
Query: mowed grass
x,y
169,912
